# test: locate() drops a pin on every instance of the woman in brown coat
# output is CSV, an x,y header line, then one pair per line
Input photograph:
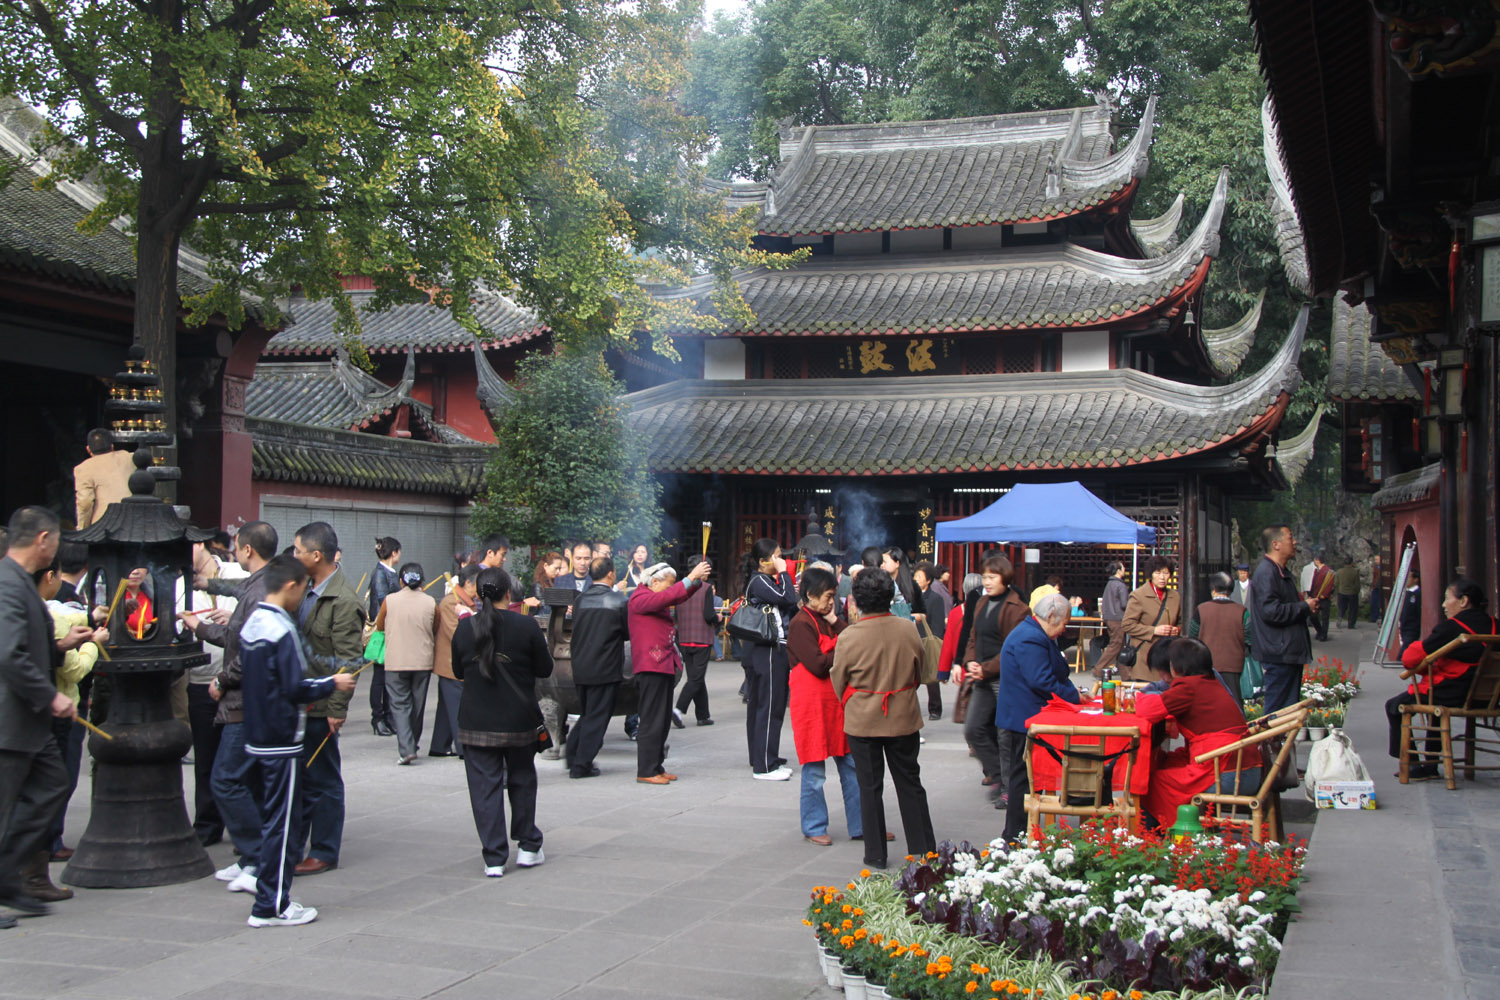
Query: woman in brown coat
x,y
877,668
1153,612
1224,626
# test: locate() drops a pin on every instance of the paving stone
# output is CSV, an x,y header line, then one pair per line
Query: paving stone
x,y
362,977
584,954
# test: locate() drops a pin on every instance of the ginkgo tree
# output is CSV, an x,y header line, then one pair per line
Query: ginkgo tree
x,y
529,146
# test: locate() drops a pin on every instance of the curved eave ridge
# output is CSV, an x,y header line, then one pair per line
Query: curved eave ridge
x,y
951,424
1296,452
1044,288
427,327
1159,235
1228,346
1289,240
493,391
962,172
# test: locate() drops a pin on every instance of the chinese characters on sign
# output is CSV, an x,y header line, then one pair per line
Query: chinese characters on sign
x,y
925,533
901,356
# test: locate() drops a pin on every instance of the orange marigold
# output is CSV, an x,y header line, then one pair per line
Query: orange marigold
x,y
859,935
858,912
864,873
932,968
848,909
978,969
847,941
972,987
1136,995
848,924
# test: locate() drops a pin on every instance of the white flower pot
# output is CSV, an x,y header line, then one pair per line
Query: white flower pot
x,y
873,992
822,958
832,972
1315,733
1303,736
854,986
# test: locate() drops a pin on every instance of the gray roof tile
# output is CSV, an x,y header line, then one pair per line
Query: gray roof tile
x,y
987,423
338,396
284,452
957,172
1358,368
426,327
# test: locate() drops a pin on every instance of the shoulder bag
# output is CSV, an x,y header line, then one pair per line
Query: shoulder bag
x,y
543,737
1126,656
754,622
932,652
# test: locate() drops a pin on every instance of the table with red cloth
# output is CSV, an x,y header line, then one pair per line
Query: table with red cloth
x,y
1047,773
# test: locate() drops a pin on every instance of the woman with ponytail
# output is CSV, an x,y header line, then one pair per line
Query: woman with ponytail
x,y
499,654
766,669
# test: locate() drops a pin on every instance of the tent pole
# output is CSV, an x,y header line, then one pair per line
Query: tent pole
x,y
1135,555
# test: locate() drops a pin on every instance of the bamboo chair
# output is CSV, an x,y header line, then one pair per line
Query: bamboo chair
x,y
1263,801
1479,710
1082,790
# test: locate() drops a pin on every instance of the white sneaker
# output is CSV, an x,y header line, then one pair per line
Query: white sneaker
x,y
530,859
229,874
245,882
293,915
780,774
494,871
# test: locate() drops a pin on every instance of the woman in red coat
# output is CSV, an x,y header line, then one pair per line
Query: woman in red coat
x,y
817,717
1208,717
655,662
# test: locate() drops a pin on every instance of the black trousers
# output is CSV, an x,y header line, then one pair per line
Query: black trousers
x,y
202,708
33,789
694,689
280,834
656,719
1349,610
872,754
1320,619
445,726
935,698
766,674
380,706
1283,685
69,737
1013,746
597,703
980,731
1452,692
513,770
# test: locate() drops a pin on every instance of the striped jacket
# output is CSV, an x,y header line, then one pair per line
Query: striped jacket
x,y
273,676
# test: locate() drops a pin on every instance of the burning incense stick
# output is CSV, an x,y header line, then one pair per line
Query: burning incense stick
x,y
707,527
119,593
86,724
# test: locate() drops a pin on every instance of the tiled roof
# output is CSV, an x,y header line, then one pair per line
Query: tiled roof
x,y
941,424
1159,235
1295,454
1358,368
337,395
426,327
1283,209
297,453
1227,346
1023,288
1409,487
39,229
956,172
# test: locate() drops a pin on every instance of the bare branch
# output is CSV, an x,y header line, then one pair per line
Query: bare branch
x,y
88,90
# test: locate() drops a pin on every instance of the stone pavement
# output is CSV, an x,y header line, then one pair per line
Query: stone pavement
x,y
1402,901
694,890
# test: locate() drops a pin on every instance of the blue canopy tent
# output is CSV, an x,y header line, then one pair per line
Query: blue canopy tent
x,y
1049,512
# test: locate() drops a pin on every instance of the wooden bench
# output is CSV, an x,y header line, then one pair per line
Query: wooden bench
x,y
1247,807
1082,790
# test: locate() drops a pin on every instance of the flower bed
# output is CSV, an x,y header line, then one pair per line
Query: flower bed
x,y
1094,912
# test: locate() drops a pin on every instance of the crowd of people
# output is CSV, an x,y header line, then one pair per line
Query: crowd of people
x,y
854,656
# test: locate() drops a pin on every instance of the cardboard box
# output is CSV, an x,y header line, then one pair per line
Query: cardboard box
x,y
1344,795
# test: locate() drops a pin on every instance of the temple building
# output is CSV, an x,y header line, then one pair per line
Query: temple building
x,y
1382,144
978,308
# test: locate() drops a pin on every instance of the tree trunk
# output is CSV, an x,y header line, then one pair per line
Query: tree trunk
x,y
156,297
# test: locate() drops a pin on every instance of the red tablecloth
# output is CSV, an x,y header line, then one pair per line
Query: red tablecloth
x,y
1047,772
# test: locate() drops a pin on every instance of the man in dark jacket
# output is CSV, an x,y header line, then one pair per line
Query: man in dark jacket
x,y
1112,611
600,628
332,619
236,779
997,611
1032,670
1278,619
33,779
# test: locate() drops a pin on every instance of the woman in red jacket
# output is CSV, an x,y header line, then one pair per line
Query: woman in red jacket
x,y
655,661
817,717
1449,677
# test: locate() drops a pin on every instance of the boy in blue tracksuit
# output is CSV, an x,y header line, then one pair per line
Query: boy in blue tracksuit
x,y
277,690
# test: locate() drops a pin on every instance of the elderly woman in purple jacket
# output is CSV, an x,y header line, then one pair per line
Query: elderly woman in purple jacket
x,y
655,661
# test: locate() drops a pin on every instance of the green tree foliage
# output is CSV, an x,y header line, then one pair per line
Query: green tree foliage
x,y
531,146
564,467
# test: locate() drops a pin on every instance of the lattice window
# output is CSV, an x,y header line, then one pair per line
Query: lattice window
x,y
786,361
978,356
1018,354
823,360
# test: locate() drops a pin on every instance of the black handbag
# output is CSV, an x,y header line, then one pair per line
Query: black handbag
x,y
754,623
1127,655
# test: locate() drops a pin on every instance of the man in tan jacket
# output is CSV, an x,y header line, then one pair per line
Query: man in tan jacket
x,y
877,668
101,479
456,606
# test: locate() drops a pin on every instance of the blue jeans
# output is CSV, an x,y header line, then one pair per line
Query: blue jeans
x,y
1283,685
815,806
322,793
236,785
